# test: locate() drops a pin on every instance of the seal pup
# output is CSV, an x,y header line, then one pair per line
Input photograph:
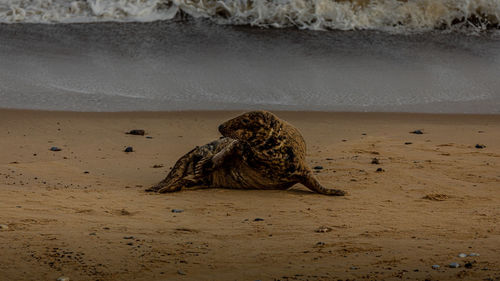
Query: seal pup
x,y
258,150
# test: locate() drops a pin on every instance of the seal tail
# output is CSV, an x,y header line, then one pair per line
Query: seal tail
x,y
313,184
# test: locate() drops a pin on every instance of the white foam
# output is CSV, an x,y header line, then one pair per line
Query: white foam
x,y
389,15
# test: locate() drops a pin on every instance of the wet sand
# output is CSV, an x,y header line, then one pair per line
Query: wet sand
x,y
81,212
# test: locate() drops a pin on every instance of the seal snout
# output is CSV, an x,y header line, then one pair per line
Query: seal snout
x,y
221,128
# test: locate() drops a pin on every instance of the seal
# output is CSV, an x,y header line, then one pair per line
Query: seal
x,y
258,150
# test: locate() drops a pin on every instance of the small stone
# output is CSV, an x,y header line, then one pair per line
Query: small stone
x,y
454,265
4,227
63,278
462,255
480,146
130,243
354,268
468,265
318,168
180,272
320,244
129,149
137,132
323,229
156,166
258,219
329,159
55,148
380,170
417,132
435,266
92,234
106,228
86,172
177,211
128,237
375,161
408,142
149,137
473,255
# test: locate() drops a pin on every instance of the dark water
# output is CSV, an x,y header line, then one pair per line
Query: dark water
x,y
195,64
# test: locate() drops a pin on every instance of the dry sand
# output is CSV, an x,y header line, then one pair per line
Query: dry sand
x,y
436,198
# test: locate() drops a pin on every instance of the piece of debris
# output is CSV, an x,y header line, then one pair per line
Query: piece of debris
x,y
454,265
180,272
128,237
417,132
136,132
379,170
408,142
468,265
462,255
177,211
323,229
124,212
375,161
320,244
86,172
435,266
480,146
149,137
473,255
4,227
129,149
258,219
156,166
55,148
63,278
318,168
436,197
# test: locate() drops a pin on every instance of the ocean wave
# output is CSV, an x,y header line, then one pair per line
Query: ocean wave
x,y
387,15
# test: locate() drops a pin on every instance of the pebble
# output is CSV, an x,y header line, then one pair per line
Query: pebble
x,y
63,278
177,211
92,233
462,255
379,170
354,267
473,255
149,137
417,132
55,148
435,266
181,272
128,237
318,168
454,265
320,244
129,149
258,219
408,142
137,132
4,227
375,161
468,265
323,229
480,146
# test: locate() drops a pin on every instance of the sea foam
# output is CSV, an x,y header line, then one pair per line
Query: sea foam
x,y
387,15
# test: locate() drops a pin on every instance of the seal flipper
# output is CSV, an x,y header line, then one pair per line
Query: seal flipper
x,y
210,163
309,181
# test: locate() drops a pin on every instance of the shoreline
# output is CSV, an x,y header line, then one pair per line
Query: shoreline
x,y
82,212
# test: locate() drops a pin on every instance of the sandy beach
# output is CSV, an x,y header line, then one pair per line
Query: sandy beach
x,y
82,212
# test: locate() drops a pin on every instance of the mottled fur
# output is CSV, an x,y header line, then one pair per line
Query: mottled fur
x,y
257,151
